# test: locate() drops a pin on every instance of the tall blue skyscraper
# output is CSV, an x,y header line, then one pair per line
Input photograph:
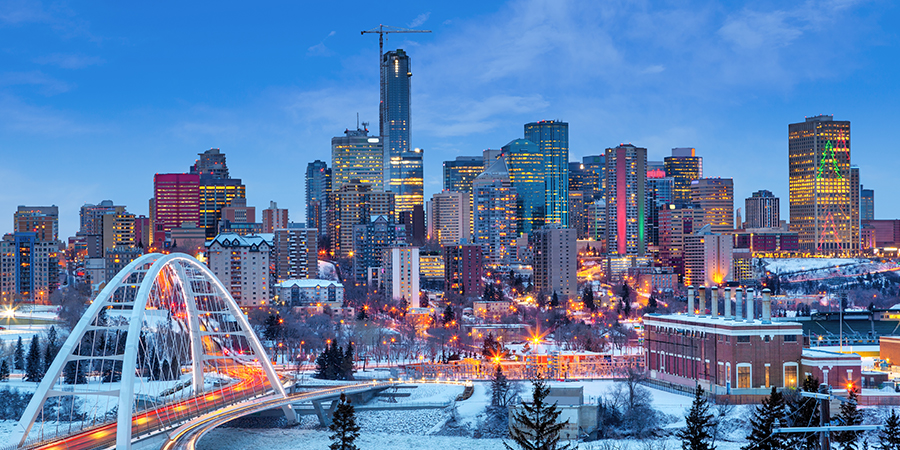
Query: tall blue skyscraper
x,y
318,187
525,165
552,138
402,163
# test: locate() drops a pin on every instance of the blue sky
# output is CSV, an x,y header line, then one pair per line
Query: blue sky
x,y
97,97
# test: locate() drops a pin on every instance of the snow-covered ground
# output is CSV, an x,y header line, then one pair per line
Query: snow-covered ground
x,y
25,322
422,428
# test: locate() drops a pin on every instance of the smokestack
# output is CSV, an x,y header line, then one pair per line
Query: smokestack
x,y
727,302
714,302
702,300
738,304
750,315
690,310
767,306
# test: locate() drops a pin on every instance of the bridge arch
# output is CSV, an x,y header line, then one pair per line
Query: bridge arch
x,y
132,346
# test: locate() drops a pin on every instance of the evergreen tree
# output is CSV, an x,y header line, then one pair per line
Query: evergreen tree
x,y
499,388
554,300
344,429
697,434
19,361
165,371
335,357
346,368
490,347
52,348
154,364
536,425
625,294
4,370
448,314
805,412
322,364
849,415
74,373
587,298
888,436
763,422
362,315
34,368
652,304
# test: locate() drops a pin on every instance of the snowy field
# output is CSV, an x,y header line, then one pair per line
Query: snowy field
x,y
426,429
27,322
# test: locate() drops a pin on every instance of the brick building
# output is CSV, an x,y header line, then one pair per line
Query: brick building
x,y
739,354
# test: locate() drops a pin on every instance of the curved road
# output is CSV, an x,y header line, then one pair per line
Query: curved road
x,y
187,436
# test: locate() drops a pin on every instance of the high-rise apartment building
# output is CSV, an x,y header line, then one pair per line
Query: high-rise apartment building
x,y
463,269
821,208
318,186
762,210
526,165
626,200
355,203
708,258
866,204
552,139
555,261
275,218
459,173
43,220
449,217
489,156
357,156
495,226
684,166
216,189
176,201
660,191
29,268
369,242
211,164
243,265
713,200
583,178
855,223
675,222
596,164
401,274
92,216
296,253
578,214
238,212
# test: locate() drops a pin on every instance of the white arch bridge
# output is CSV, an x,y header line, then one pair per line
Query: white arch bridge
x,y
162,344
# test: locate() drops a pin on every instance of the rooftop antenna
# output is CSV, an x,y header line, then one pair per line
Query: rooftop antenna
x,y
357,120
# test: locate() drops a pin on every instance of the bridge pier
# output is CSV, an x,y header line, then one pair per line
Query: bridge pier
x,y
323,414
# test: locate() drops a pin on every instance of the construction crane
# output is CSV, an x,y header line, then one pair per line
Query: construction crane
x,y
382,30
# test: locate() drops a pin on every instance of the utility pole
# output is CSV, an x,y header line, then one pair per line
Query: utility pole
x,y
382,30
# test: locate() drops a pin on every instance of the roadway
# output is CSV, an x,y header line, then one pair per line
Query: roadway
x,y
187,436
149,422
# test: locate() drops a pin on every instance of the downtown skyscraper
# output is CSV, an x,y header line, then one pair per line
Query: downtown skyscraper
x,y
318,187
626,200
552,138
820,184
402,162
684,166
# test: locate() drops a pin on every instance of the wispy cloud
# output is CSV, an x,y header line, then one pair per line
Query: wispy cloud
x,y
419,20
18,117
69,61
46,84
320,49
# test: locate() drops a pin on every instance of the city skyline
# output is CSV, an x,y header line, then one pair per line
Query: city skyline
x,y
89,95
